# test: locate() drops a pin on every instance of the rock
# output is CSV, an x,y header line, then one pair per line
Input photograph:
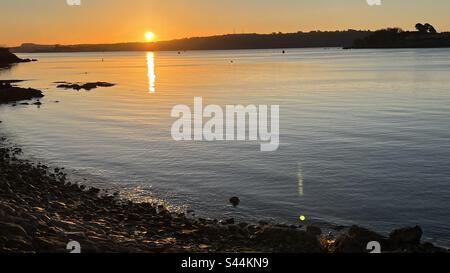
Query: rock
x,y
12,94
7,58
289,240
356,240
86,86
234,228
19,243
406,236
235,201
243,225
313,230
364,234
347,244
227,222
52,244
10,229
134,217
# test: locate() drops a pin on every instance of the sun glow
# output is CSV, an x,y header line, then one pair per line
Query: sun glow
x,y
149,36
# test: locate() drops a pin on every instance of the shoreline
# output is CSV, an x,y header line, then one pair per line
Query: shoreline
x,y
41,211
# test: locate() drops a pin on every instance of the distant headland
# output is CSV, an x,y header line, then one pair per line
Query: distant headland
x,y
7,58
219,42
426,36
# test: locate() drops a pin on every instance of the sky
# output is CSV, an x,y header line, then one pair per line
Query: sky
x,y
113,21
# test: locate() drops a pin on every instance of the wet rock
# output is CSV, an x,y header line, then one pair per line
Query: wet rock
x,y
289,240
356,240
313,230
243,225
19,243
12,94
406,236
50,244
235,201
134,217
10,229
234,228
227,221
84,86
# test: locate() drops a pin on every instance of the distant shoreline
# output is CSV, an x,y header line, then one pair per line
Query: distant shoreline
x,y
389,38
315,39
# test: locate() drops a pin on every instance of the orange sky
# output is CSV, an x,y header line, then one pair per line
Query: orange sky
x,y
110,21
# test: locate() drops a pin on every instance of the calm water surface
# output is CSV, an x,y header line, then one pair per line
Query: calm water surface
x,y
364,134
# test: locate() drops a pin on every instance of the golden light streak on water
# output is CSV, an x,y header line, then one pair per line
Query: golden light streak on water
x,y
151,72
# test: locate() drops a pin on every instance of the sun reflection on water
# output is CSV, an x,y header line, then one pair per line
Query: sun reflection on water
x,y
151,72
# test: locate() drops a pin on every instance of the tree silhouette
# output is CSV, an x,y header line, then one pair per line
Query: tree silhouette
x,y
425,28
430,28
421,28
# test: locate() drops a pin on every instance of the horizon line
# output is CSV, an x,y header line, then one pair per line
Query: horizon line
x,y
196,37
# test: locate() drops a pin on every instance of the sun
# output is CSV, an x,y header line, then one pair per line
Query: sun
x,y
149,36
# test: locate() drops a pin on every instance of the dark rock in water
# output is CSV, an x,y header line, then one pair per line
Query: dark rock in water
x,y
406,236
10,94
4,82
228,222
38,103
86,86
313,230
339,228
364,234
7,58
235,201
290,240
356,241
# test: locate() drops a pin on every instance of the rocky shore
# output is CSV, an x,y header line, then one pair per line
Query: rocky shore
x,y
9,93
7,58
42,211
83,86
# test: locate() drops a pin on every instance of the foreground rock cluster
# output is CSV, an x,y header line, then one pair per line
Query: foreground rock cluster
x,y
11,94
40,211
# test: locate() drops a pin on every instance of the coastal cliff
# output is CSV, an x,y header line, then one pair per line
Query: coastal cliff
x,y
7,58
